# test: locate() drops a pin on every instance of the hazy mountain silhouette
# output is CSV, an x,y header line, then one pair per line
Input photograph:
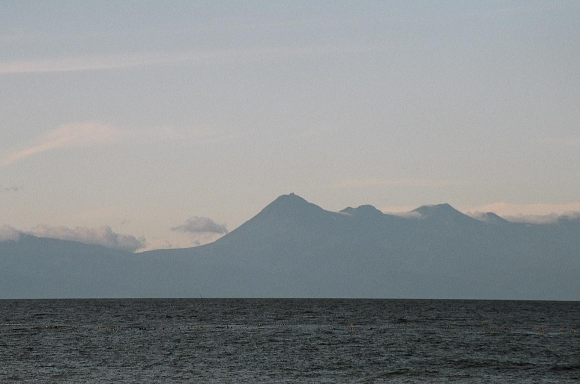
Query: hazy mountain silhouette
x,y
293,248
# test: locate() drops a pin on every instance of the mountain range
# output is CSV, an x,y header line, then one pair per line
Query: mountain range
x,y
293,248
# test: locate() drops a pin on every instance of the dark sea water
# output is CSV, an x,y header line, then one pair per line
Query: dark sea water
x,y
287,341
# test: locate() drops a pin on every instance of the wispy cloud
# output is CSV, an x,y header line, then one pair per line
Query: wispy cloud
x,y
196,225
103,236
377,182
69,135
134,60
76,135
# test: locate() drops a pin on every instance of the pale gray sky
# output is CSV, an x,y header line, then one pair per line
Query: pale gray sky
x,y
143,116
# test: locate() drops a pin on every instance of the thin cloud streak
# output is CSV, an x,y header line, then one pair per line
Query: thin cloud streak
x,y
377,182
77,135
134,60
69,135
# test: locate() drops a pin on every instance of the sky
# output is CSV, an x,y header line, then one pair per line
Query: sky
x,y
154,124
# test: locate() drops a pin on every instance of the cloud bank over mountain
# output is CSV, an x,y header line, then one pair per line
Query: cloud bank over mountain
x,y
103,236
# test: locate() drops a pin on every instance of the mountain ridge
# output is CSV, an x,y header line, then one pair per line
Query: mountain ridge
x,y
293,248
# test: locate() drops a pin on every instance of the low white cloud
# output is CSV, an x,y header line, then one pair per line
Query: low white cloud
x,y
397,209
521,210
66,136
103,236
395,182
9,233
543,219
73,64
529,213
521,213
408,215
198,225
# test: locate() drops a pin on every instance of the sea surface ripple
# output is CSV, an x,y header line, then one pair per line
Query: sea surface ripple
x,y
288,341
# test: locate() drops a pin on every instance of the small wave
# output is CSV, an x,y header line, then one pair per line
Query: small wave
x,y
565,367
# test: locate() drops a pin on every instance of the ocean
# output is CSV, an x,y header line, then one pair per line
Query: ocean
x,y
288,341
